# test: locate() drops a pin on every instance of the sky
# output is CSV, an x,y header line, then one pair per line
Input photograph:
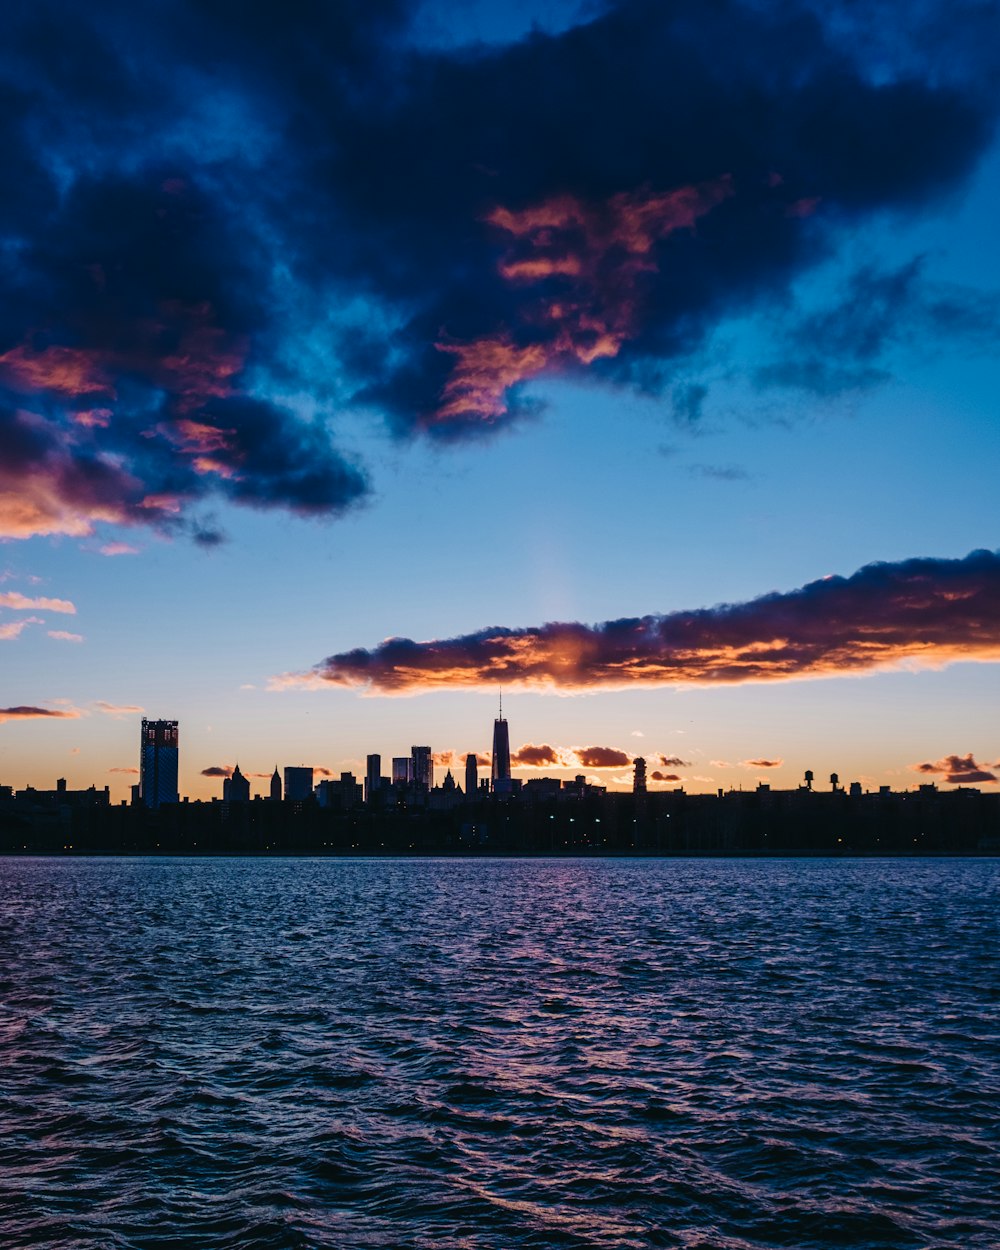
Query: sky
x,y
359,359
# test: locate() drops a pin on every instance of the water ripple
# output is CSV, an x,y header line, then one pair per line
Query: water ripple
x,y
468,1055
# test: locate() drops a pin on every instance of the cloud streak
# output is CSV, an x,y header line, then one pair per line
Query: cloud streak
x,y
27,712
923,612
22,603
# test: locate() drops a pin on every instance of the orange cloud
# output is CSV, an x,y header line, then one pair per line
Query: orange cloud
x,y
37,713
602,757
202,366
63,635
531,756
923,612
959,770
598,255
67,371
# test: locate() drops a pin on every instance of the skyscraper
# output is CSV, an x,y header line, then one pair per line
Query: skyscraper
x,y
236,789
275,786
298,784
423,766
500,769
471,776
402,769
373,777
158,751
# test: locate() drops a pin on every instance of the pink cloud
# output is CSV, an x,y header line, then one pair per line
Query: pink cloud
x,y
22,603
118,709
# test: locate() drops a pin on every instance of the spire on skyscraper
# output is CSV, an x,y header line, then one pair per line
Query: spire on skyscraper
x,y
500,768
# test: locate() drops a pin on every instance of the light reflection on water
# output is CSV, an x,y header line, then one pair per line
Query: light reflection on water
x,y
451,1053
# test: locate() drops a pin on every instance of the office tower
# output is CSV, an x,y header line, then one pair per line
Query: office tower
x,y
639,775
298,784
402,770
158,762
500,769
275,786
236,789
471,776
342,795
373,777
423,766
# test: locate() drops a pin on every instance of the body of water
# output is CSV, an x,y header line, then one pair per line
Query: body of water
x,y
481,1054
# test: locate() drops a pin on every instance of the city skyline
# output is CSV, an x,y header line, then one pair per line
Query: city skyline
x,y
663,395
609,768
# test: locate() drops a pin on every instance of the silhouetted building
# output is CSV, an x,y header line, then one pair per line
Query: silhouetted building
x,y
471,776
500,768
639,775
402,770
340,795
61,795
158,754
298,784
539,789
373,777
236,789
275,786
423,766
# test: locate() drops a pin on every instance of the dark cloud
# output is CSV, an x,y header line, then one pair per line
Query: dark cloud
x,y
212,205
687,403
673,761
923,611
959,770
602,757
124,367
720,472
658,776
531,756
37,713
761,763
849,345
218,770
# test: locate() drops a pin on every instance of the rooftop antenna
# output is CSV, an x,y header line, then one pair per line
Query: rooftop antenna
x,y
500,688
